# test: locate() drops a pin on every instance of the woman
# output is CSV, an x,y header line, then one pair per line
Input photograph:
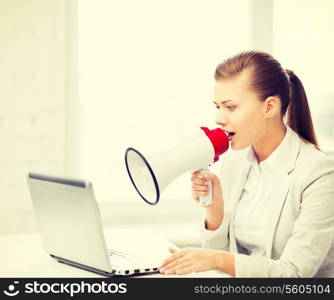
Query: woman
x,y
272,213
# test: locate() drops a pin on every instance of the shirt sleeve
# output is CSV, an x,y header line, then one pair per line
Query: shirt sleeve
x,y
310,242
216,239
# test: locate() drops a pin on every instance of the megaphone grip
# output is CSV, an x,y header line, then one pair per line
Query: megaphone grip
x,y
206,200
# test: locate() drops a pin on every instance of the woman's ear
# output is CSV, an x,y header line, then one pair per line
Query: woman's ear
x,y
271,106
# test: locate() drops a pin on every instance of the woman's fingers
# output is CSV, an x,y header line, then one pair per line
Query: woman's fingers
x,y
201,184
174,263
186,269
200,194
198,180
200,188
195,196
177,268
176,255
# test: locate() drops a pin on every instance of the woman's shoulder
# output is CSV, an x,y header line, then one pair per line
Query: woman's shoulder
x,y
313,156
313,162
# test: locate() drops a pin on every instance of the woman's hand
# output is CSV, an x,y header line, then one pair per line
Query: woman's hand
x,y
189,260
200,187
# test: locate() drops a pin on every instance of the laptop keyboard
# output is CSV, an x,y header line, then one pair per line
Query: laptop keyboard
x,y
120,259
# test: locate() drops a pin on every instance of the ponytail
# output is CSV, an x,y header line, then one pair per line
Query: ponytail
x,y
298,112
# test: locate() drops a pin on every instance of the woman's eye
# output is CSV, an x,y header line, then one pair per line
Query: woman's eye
x,y
232,107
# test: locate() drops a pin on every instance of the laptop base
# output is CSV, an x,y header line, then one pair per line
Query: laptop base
x,y
97,271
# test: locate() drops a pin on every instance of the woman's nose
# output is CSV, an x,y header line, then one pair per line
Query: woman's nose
x,y
221,119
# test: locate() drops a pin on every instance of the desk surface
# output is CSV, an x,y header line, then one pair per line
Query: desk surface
x,y
23,255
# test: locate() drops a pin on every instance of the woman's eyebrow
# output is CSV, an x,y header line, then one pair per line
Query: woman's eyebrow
x,y
222,102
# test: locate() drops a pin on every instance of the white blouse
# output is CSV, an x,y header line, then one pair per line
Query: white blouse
x,y
252,211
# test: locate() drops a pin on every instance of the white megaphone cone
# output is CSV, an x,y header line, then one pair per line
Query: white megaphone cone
x,y
151,174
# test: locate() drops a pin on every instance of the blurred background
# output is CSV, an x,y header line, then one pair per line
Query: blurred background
x,y
82,80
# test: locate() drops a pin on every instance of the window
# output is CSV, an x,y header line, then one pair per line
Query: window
x,y
304,42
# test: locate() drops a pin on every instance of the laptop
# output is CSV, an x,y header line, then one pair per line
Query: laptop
x,y
71,229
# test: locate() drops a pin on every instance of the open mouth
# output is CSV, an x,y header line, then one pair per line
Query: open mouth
x,y
230,134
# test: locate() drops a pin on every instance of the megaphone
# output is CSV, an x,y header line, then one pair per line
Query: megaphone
x,y
151,174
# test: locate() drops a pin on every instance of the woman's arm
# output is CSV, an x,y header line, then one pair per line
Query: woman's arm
x,y
225,262
311,239
305,251
214,229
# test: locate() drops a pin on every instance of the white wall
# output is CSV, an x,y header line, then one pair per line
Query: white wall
x,y
32,102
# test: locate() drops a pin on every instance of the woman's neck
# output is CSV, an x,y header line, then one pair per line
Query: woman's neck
x,y
269,142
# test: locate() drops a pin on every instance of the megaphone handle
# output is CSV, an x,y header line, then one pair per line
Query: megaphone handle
x,y
206,200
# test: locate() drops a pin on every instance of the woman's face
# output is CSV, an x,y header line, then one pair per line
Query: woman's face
x,y
239,111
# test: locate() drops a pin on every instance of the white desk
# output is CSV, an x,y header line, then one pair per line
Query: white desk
x,y
23,256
